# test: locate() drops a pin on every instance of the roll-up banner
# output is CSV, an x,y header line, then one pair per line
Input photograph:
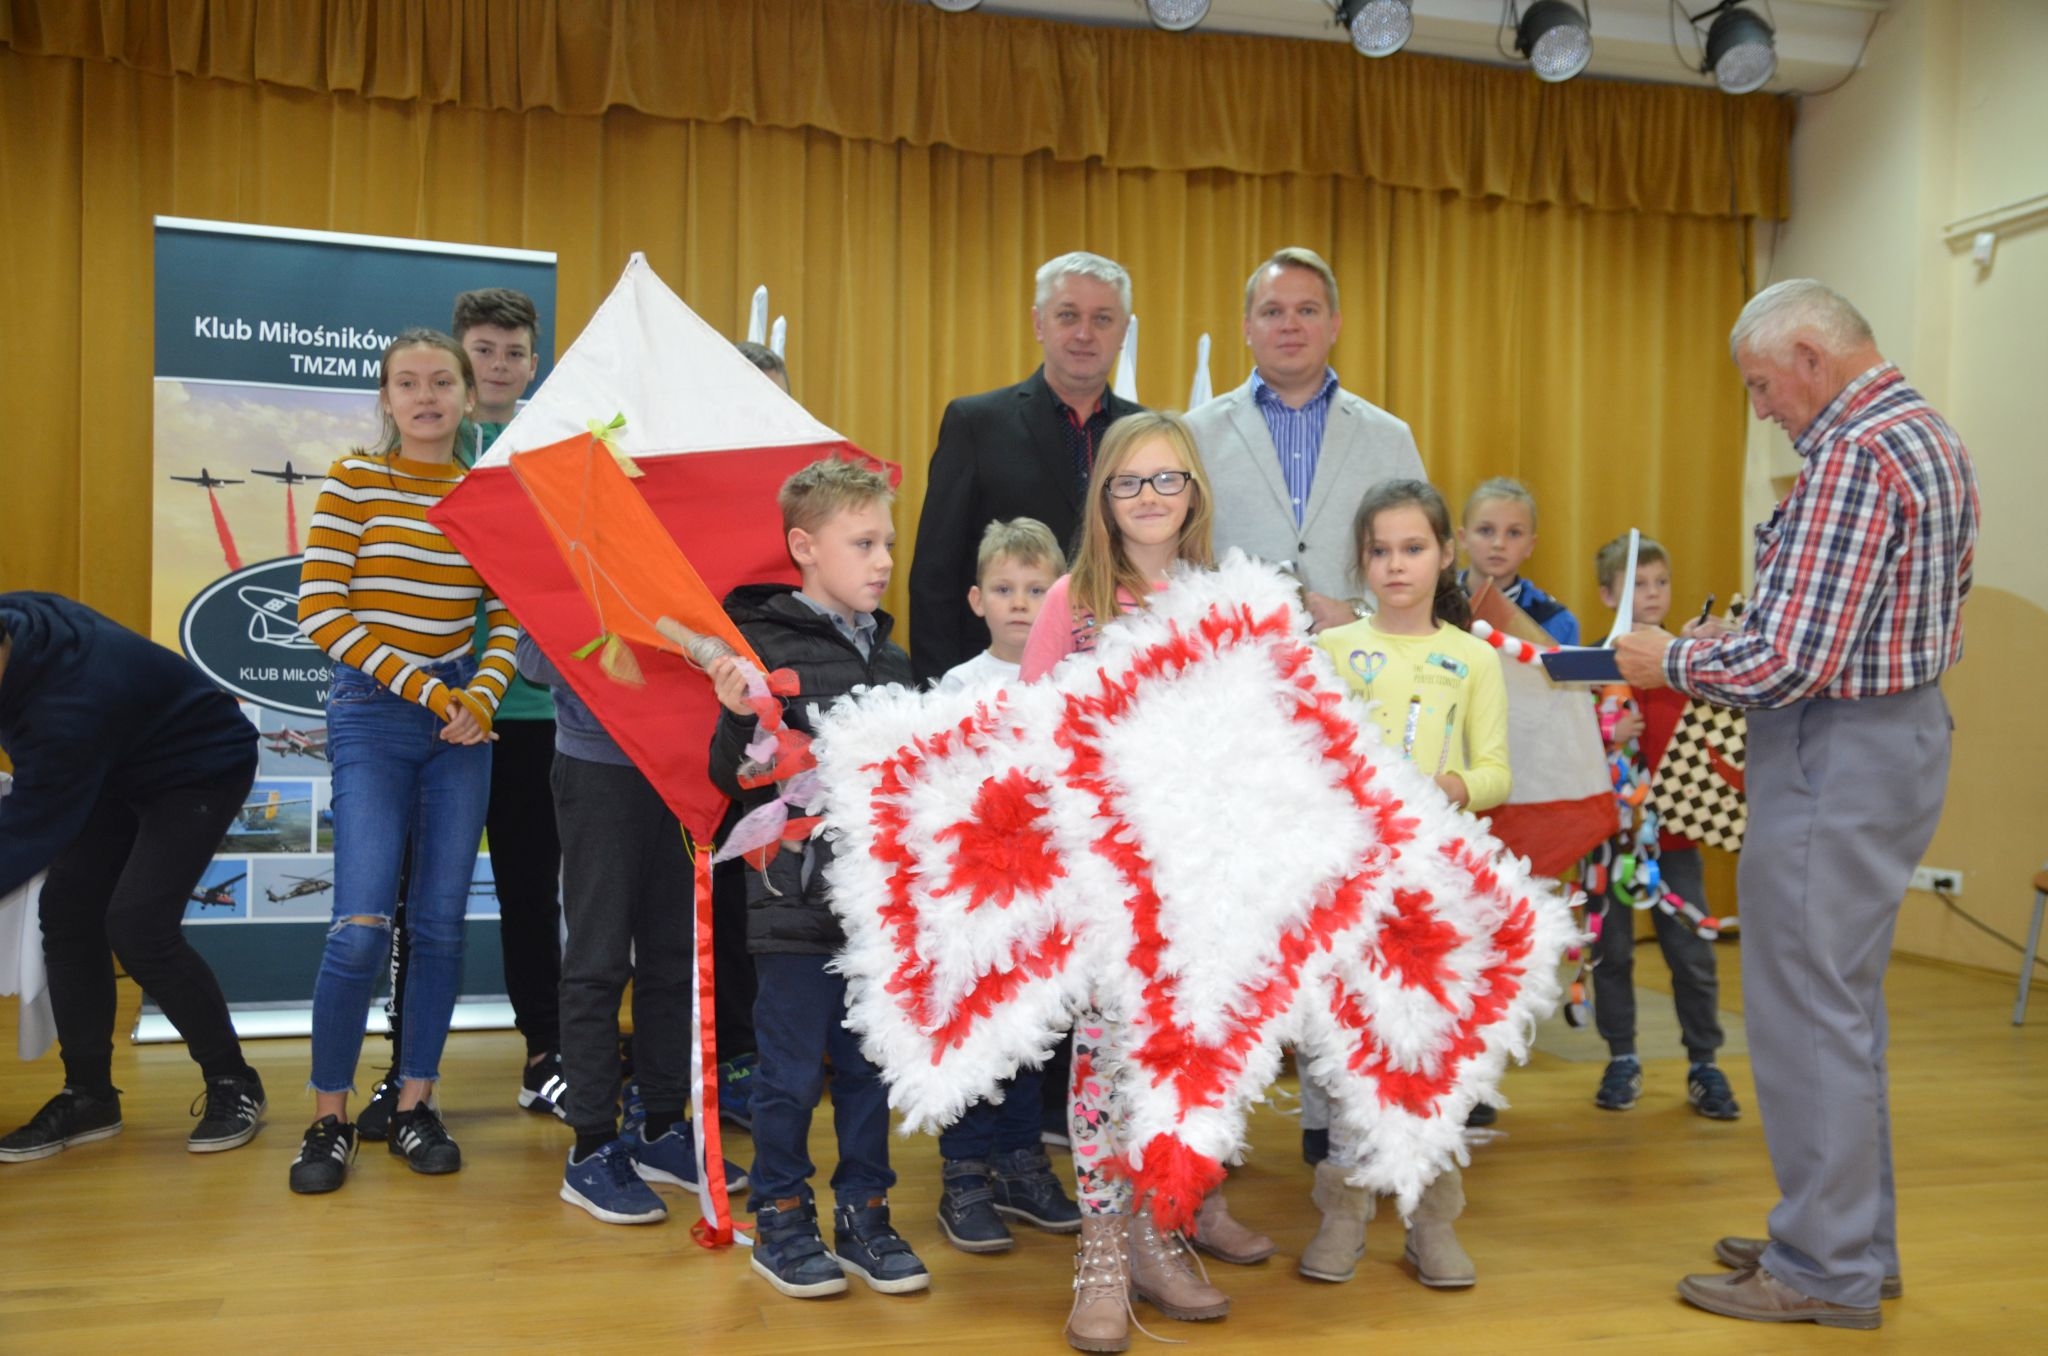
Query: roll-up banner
x,y
267,349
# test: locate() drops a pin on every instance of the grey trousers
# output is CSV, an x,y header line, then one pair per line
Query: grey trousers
x,y
628,904
1843,800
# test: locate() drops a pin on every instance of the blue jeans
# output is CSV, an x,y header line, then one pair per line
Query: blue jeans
x,y
799,1020
395,777
986,1128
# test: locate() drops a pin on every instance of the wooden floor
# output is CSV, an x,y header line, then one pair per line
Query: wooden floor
x,y
1580,1221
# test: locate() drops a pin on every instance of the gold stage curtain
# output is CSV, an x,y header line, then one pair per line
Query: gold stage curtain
x,y
1541,286
898,70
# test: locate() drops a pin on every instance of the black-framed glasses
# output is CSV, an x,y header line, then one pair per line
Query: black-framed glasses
x,y
1164,483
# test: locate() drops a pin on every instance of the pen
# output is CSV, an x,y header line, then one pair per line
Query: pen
x,y
1706,610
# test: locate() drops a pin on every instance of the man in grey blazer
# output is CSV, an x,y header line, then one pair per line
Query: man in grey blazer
x,y
1291,453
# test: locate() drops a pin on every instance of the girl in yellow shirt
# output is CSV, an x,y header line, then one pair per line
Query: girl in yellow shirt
x,y
1438,696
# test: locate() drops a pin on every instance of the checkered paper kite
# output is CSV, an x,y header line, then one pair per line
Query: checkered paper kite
x,y
1195,827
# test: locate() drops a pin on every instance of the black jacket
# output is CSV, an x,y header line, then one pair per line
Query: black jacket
x,y
1001,455
787,634
91,710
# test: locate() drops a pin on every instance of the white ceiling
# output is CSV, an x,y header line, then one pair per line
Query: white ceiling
x,y
1818,40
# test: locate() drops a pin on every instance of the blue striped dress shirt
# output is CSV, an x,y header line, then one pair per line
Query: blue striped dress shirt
x,y
1297,434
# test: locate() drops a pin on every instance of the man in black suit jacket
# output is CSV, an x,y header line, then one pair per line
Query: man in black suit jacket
x,y
1019,451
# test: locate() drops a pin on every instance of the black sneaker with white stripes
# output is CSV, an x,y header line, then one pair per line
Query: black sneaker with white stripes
x,y
324,1155
542,1087
373,1122
418,1137
233,1112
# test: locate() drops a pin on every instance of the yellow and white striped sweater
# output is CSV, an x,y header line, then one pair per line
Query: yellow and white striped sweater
x,y
382,590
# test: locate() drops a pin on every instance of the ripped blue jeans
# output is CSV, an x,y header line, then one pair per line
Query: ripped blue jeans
x,y
395,777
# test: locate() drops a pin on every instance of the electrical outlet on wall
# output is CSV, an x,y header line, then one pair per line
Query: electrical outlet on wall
x,y
1933,878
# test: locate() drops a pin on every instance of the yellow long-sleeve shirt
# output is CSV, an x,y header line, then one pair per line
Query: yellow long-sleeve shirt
x,y
382,590
1439,698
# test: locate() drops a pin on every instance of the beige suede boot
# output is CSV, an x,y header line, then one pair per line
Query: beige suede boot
x,y
1163,1273
1433,1248
1332,1255
1223,1238
1100,1318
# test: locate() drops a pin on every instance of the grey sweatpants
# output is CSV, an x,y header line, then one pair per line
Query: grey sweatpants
x,y
628,905
1843,800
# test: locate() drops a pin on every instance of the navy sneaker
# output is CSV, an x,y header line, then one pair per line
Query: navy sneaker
x,y
1026,1188
69,1118
736,1091
1315,1146
606,1185
1706,1087
233,1112
967,1208
868,1246
790,1255
418,1137
673,1157
324,1155
1620,1085
542,1087
373,1122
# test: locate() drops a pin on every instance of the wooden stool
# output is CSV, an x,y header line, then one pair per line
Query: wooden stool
x,y
2019,1009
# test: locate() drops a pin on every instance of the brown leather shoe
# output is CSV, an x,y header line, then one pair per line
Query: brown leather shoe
x,y
1223,1238
1760,1297
1749,1252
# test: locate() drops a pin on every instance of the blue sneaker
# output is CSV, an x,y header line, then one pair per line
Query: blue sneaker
x,y
673,1158
606,1185
868,1246
789,1254
967,1208
736,1091
1620,1085
1706,1087
1026,1188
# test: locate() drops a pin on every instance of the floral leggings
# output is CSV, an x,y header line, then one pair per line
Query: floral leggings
x,y
1095,1116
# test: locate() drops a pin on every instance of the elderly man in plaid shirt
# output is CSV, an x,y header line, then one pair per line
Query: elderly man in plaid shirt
x,y
1860,579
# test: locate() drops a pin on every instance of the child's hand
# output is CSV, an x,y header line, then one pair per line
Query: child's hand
x,y
1452,785
462,727
1627,726
729,681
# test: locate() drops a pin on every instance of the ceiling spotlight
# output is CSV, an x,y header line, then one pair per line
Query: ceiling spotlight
x,y
955,6
1176,15
1742,51
1556,39
1379,28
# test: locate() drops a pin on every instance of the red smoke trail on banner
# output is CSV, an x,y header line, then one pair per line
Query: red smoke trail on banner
x,y
291,523
227,538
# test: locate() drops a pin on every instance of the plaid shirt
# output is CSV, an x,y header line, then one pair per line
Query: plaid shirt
x,y
1862,570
